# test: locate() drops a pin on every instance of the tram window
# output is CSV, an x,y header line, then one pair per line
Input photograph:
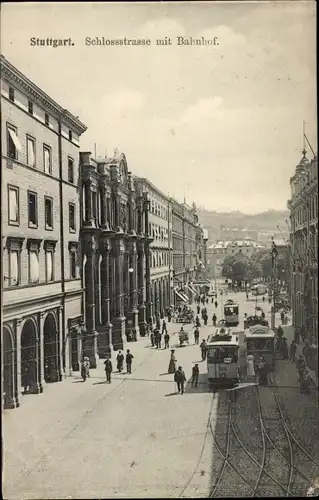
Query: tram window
x,y
218,354
260,344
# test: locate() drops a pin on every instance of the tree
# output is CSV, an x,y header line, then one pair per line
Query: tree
x,y
237,267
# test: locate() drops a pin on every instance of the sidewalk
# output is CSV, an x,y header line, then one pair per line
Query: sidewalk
x,y
289,333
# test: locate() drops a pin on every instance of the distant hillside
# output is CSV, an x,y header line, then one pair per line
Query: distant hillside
x,y
262,222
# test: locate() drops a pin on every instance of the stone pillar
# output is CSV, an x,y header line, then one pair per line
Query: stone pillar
x,y
132,318
18,366
118,330
90,339
60,345
36,376
105,335
149,303
41,337
140,286
88,219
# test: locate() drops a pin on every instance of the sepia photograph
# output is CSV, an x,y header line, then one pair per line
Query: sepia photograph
x,y
159,220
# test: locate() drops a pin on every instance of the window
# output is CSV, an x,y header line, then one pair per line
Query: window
x,y
47,160
72,265
13,143
49,266
32,209
71,170
47,119
14,267
13,205
30,151
11,94
70,135
33,267
72,226
30,107
48,209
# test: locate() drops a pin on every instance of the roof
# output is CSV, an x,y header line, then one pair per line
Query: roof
x,y
259,331
247,243
233,341
18,79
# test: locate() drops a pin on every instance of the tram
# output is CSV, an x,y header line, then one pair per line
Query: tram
x,y
222,357
260,341
231,313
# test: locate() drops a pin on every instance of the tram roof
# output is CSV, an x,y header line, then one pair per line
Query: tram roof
x,y
219,340
258,331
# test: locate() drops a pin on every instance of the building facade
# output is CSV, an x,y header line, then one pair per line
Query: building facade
x,y
160,246
42,290
116,265
303,207
217,252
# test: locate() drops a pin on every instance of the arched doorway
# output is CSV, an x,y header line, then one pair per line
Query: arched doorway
x,y
29,358
50,349
8,369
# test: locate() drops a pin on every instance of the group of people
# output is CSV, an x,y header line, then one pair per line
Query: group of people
x,y
179,374
261,369
108,367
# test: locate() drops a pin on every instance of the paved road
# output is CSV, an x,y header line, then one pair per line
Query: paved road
x,y
134,438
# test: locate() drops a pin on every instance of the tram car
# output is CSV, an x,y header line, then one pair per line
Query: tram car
x,y
223,358
260,341
255,320
231,313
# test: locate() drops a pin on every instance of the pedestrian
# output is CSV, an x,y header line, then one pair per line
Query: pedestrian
x,y
250,361
180,379
129,358
293,349
214,319
197,322
284,348
263,298
158,323
108,369
120,361
159,340
262,370
305,382
152,339
166,340
198,309
26,378
212,299
305,350
206,300
301,366
216,304
164,327
263,315
85,368
203,348
169,316
196,335
172,362
205,318
282,317
195,374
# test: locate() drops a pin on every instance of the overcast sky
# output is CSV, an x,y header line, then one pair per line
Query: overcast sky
x,y
222,125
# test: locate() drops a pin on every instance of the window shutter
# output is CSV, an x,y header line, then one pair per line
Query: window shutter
x,y
15,139
14,271
49,266
13,205
31,156
34,267
46,160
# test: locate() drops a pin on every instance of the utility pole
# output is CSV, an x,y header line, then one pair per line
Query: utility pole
x,y
274,255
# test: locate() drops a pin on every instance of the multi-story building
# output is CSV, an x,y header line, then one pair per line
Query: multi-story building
x,y
160,248
115,254
42,291
303,207
226,233
217,252
185,228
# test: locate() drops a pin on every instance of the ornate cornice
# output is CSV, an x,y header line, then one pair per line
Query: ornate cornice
x,y
21,82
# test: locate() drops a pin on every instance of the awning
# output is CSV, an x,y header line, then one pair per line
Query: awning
x,y
185,296
180,296
15,139
192,289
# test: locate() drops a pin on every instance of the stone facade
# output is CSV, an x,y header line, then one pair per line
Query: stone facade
x,y
42,292
303,207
